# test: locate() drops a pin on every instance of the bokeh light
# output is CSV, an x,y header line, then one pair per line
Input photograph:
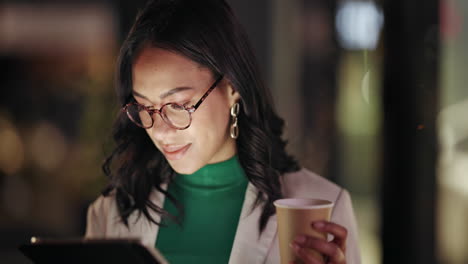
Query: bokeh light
x,y
359,24
48,146
12,148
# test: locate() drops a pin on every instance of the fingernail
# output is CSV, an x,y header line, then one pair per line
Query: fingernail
x,y
294,246
319,225
300,239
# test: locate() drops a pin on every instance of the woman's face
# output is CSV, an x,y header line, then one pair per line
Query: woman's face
x,y
161,76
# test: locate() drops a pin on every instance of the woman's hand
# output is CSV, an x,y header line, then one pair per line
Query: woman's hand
x,y
333,251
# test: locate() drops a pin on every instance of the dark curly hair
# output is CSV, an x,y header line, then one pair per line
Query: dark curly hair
x,y
209,34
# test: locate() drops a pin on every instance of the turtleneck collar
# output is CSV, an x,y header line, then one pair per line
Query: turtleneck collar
x,y
217,176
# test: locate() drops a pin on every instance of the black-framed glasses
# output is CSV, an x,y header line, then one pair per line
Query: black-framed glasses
x,y
175,115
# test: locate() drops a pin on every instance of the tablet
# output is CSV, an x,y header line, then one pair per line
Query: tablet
x,y
83,250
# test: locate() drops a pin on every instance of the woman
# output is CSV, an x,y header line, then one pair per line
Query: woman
x,y
199,157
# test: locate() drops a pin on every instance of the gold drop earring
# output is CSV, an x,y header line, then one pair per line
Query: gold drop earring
x,y
234,127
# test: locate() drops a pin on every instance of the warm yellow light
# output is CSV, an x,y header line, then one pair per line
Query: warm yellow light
x,y
11,148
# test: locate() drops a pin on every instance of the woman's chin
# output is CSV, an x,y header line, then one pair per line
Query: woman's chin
x,y
183,168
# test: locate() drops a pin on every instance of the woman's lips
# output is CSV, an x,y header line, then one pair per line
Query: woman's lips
x,y
175,152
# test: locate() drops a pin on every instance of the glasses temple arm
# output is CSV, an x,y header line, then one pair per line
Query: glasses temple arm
x,y
208,92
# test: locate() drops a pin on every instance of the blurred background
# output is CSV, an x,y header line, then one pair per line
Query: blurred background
x,y
372,93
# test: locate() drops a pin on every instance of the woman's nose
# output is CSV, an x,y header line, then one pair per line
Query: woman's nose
x,y
160,128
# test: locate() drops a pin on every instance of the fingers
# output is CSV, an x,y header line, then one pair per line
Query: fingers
x,y
334,250
329,249
339,232
304,255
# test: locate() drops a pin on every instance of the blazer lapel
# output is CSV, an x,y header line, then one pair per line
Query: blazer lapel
x,y
249,246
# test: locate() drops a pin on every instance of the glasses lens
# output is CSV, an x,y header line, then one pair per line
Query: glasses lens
x,y
176,115
139,116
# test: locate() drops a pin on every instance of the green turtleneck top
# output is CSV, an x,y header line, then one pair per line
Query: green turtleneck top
x,y
212,199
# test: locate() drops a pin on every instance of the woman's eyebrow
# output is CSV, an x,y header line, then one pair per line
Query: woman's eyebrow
x,y
173,91
164,95
135,93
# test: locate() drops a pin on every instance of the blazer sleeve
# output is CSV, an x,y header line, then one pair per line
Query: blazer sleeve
x,y
343,214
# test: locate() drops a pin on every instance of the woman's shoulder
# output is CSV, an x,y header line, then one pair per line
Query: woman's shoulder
x,y
306,184
104,202
99,213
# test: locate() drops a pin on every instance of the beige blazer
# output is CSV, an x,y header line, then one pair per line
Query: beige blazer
x,y
249,248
